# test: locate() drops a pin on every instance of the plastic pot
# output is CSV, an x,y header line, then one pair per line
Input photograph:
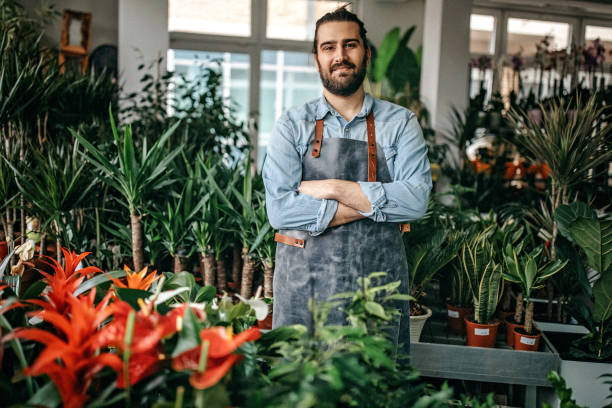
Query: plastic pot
x,y
417,323
526,342
510,326
481,335
455,316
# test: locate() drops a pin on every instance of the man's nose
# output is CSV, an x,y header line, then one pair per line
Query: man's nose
x,y
340,54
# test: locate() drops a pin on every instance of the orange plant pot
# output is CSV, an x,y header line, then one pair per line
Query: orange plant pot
x,y
481,335
3,250
510,325
455,316
526,342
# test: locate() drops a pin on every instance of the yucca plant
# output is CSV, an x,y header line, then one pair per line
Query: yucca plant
x,y
134,175
573,142
266,251
483,274
525,271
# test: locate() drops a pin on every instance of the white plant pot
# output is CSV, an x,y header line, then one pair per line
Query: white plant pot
x,y
417,323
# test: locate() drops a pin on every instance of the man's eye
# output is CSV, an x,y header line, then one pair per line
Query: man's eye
x,y
328,48
350,45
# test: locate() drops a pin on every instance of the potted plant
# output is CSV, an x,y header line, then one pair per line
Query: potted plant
x,y
427,253
526,272
459,305
484,278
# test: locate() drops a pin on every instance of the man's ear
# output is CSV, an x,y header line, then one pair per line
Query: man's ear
x,y
369,55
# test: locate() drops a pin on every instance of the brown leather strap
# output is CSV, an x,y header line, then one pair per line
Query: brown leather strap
x,y
404,227
285,239
318,140
371,147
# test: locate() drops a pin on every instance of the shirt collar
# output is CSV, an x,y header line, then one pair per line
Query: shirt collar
x,y
323,107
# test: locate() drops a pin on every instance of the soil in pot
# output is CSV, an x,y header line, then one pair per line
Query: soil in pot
x,y
455,316
526,341
510,326
481,335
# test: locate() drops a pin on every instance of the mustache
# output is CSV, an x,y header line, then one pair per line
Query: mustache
x,y
342,64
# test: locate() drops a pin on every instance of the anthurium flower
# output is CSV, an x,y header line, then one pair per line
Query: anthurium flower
x,y
136,280
150,328
72,356
221,343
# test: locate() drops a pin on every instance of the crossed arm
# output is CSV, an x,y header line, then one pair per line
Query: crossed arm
x,y
351,198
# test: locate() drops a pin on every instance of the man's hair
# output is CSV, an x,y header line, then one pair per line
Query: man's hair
x,y
340,14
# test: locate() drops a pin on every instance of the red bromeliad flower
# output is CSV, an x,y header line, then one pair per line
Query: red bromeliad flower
x,y
71,358
221,344
150,328
136,280
64,281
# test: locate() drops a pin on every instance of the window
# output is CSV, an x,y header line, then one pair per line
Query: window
x,y
288,79
482,34
235,73
295,20
210,17
524,34
604,34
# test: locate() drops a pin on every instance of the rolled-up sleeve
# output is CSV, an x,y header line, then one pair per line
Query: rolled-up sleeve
x,y
406,197
282,174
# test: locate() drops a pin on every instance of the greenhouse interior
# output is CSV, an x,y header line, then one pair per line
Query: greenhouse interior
x,y
168,169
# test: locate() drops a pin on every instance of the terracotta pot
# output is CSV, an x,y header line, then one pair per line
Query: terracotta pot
x,y
233,285
455,316
417,323
265,324
481,335
510,325
526,342
3,250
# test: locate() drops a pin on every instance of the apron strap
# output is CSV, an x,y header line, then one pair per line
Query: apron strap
x,y
371,147
318,140
285,239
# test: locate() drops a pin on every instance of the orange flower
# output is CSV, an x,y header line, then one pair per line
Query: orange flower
x,y
542,170
72,357
136,280
513,169
480,167
150,328
64,281
221,344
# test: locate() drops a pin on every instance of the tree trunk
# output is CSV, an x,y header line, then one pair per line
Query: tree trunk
x,y
207,268
529,318
248,270
221,276
137,256
268,278
518,311
236,264
178,263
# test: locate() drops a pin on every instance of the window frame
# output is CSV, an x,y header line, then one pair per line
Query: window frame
x,y
253,46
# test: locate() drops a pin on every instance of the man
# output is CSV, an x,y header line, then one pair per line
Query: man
x,y
341,173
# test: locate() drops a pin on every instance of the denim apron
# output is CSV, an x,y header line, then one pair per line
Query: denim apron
x,y
321,266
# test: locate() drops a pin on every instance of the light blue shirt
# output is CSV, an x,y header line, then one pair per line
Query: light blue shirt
x,y
397,131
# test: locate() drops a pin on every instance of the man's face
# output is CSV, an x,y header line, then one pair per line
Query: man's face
x,y
341,58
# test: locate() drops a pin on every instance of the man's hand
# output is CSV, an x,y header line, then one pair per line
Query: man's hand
x,y
346,192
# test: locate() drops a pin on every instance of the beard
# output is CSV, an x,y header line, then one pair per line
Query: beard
x,y
347,84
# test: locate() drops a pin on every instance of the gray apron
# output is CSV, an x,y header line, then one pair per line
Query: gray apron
x,y
321,266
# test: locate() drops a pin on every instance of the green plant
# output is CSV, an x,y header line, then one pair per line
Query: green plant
x,y
526,272
133,175
483,274
573,141
563,392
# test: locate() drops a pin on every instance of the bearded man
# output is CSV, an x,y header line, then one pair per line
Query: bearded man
x,y
342,172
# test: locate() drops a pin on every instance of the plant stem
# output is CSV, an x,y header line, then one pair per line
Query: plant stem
x,y
127,346
518,311
178,263
529,318
236,264
207,268
268,278
180,392
137,256
221,275
248,269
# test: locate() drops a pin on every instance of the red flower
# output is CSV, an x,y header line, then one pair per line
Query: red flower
x,y
218,361
64,281
71,358
513,170
150,328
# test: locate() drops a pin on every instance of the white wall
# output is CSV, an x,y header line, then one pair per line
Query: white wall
x,y
379,16
104,22
143,36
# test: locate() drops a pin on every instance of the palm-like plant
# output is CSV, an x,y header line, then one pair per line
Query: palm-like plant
x,y
573,142
483,275
526,272
134,175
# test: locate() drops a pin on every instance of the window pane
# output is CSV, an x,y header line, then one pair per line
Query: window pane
x,y
603,33
482,34
290,80
210,17
295,20
523,35
234,69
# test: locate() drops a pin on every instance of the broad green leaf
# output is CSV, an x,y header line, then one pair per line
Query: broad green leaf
x,y
189,335
46,396
386,52
131,296
376,309
205,294
602,292
595,238
97,280
566,214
